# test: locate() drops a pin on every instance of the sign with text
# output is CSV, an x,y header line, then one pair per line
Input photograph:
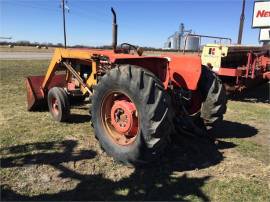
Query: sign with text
x,y
261,14
265,35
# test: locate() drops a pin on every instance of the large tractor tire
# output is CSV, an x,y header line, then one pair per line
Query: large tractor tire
x,y
214,98
58,103
131,115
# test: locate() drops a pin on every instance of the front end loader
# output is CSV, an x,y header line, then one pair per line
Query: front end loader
x,y
137,101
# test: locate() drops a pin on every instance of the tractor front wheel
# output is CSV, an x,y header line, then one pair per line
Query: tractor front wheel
x,y
58,103
214,98
131,114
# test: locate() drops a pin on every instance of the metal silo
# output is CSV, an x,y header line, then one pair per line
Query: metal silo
x,y
190,43
174,41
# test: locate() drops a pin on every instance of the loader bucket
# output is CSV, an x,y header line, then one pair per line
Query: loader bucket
x,y
36,100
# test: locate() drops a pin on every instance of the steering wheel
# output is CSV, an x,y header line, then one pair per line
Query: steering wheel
x,y
129,47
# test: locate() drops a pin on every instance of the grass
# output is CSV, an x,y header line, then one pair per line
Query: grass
x,y
252,149
254,115
238,190
45,160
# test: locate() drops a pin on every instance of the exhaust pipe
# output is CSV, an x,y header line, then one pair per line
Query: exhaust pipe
x,y
114,31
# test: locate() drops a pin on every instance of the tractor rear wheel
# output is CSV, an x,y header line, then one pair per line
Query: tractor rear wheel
x,y
214,98
58,103
131,114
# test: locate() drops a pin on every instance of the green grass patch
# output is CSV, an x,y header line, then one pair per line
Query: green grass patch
x,y
17,124
251,149
248,112
256,116
237,189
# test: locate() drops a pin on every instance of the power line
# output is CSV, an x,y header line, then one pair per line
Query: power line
x,y
26,5
88,17
3,37
84,13
75,12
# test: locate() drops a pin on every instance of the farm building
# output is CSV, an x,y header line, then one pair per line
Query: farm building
x,y
179,40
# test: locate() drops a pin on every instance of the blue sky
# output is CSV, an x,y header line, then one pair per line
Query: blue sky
x,y
145,23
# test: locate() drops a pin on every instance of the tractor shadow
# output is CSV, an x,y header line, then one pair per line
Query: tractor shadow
x,y
154,182
259,94
78,118
229,129
162,180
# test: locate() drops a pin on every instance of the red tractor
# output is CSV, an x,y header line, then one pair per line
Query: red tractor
x,y
137,102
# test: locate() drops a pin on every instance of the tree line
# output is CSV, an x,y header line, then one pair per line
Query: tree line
x,y
45,44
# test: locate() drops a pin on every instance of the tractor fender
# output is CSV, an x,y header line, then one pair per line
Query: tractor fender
x,y
179,70
183,70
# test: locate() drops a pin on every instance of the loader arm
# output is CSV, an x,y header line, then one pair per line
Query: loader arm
x,y
38,86
59,55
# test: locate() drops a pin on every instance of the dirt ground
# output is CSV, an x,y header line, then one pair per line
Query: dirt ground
x,y
45,160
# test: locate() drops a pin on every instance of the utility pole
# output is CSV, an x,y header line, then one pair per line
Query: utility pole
x,y
64,23
241,25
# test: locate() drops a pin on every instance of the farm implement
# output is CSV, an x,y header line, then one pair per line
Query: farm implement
x,y
238,66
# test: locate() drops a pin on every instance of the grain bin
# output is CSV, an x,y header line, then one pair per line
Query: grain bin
x,y
190,43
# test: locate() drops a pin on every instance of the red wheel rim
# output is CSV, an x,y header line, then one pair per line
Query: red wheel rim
x,y
55,106
119,118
